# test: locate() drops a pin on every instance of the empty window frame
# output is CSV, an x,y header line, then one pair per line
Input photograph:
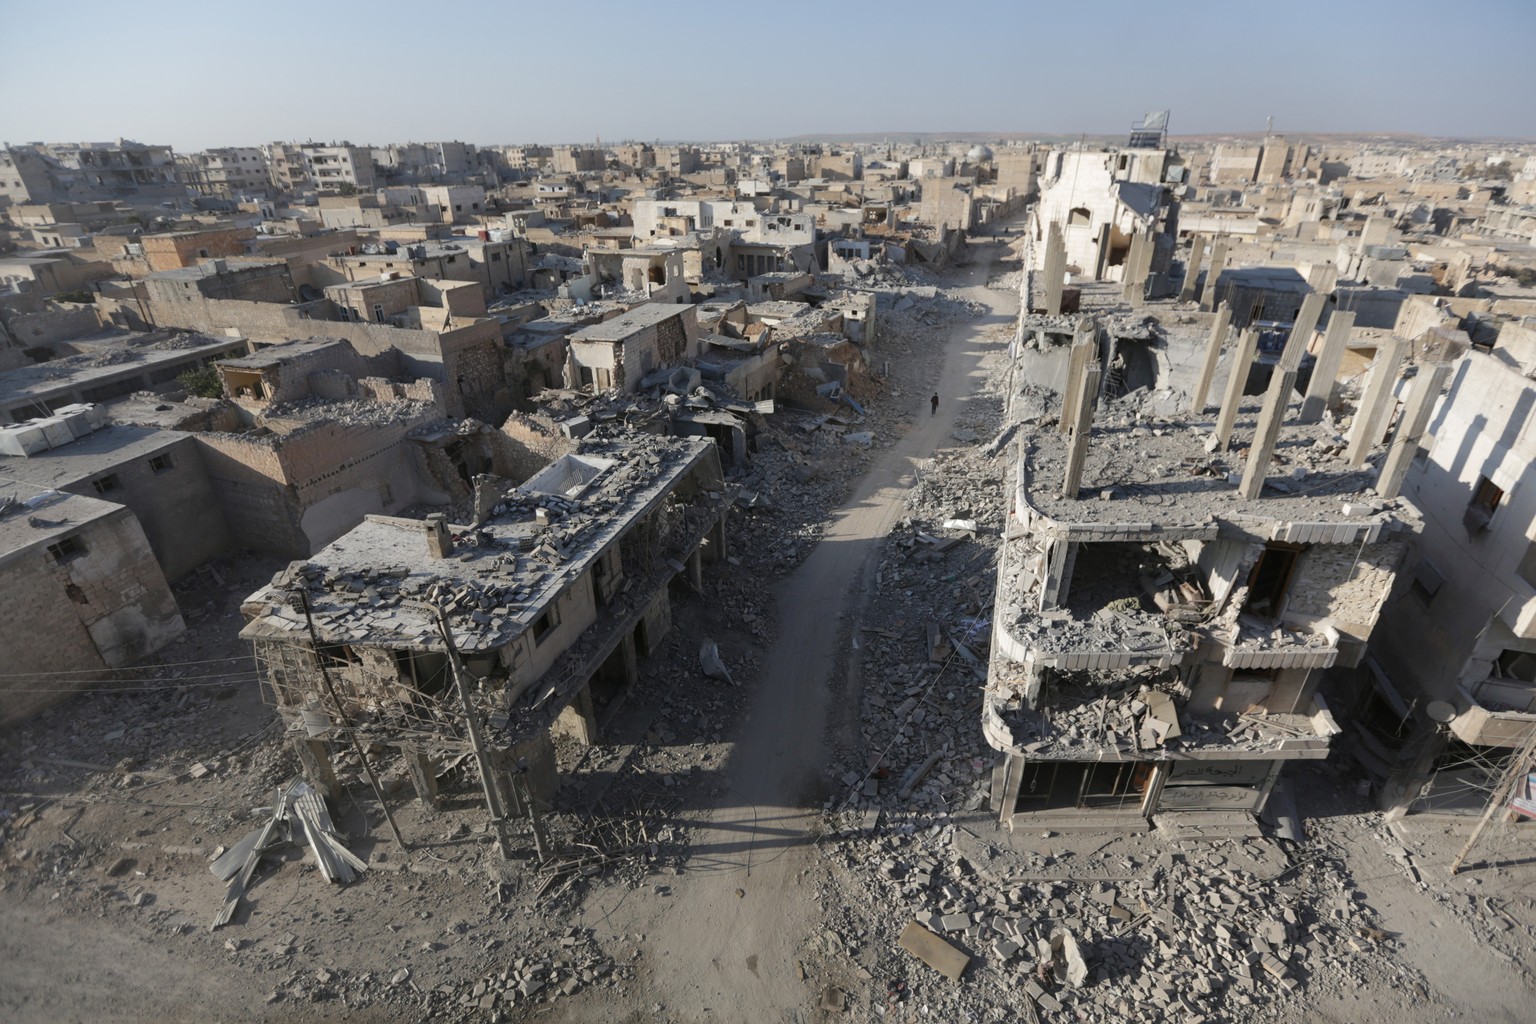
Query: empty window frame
x,y
1485,501
545,624
337,655
1427,581
1271,579
107,484
1487,495
67,549
160,464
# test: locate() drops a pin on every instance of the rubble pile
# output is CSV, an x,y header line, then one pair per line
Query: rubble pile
x,y
576,964
1191,936
350,412
1042,331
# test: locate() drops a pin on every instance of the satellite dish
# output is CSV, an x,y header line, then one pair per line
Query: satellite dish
x,y
1440,711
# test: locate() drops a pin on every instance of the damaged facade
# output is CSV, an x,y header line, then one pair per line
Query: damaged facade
x,y
1455,673
1166,606
549,597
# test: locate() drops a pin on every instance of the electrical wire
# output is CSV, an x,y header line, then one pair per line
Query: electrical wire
x,y
68,688
164,664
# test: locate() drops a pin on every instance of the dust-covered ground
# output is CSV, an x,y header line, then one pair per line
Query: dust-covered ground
x,y
742,851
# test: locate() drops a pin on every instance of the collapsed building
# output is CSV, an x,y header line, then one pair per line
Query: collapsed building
x,y
1166,604
534,614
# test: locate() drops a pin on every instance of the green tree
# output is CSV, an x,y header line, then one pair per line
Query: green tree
x,y
203,382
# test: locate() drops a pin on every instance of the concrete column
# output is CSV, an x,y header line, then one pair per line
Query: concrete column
x,y
1101,259
1219,331
1192,269
1405,442
696,571
543,776
1301,331
315,765
1144,262
1268,786
1371,418
1237,376
577,719
1081,355
1130,286
1326,370
1218,260
423,774
1082,426
1154,791
719,549
1056,570
1267,433
1015,781
1055,269
1409,775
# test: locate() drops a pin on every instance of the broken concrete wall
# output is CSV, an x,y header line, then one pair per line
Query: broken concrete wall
x,y
253,490
1344,586
61,322
526,444
294,493
105,608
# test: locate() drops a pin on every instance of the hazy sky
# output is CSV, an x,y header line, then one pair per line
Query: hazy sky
x,y
218,73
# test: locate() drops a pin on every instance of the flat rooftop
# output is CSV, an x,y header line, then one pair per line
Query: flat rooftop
x,y
232,265
46,514
125,357
86,456
276,355
378,584
637,319
780,309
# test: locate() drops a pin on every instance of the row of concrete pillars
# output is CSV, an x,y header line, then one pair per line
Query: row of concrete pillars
x,y
1371,419
1138,266
1191,285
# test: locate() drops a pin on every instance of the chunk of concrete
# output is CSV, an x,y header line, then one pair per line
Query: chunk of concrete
x,y
943,957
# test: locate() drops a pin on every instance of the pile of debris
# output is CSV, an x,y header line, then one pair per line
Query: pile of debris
x,y
1192,936
299,817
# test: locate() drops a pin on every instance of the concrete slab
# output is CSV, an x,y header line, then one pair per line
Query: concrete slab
x,y
943,957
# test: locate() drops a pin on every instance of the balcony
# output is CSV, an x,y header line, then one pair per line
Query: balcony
x,y
1519,613
1262,646
1500,712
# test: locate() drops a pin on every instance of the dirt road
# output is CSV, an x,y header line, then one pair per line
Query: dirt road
x,y
722,943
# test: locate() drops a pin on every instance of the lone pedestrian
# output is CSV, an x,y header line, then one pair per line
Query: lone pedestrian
x,y
934,402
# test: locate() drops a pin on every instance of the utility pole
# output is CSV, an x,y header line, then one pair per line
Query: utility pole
x,y
540,840
487,778
341,712
1520,764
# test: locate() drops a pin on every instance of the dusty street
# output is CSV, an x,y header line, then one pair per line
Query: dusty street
x,y
724,944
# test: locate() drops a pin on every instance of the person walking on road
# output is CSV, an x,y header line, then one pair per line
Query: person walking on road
x,y
934,402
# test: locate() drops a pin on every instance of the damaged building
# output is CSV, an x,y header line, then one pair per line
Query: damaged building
x,y
80,592
1167,602
544,604
1452,684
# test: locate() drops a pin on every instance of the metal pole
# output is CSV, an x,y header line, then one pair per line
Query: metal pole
x,y
1519,765
341,712
487,780
540,842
